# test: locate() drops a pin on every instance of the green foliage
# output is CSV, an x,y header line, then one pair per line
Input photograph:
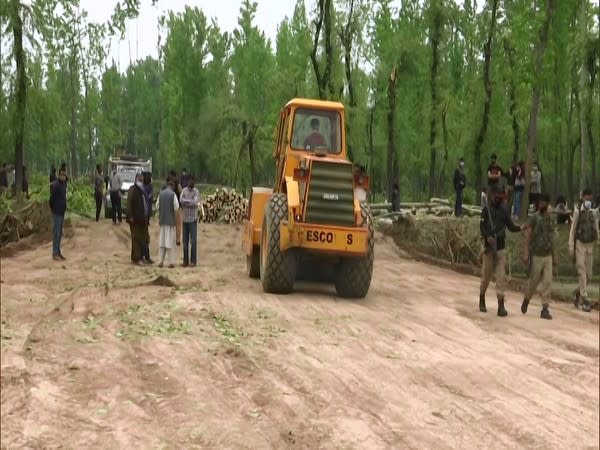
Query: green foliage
x,y
142,321
210,101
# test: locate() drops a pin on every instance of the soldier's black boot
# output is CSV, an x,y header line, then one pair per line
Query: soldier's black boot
x,y
524,306
586,305
545,313
482,307
576,298
501,310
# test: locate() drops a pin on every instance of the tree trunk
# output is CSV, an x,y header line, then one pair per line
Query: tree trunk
x,y
436,31
445,138
73,138
591,71
89,115
346,34
510,57
487,84
371,150
570,146
392,158
21,93
323,22
583,134
540,48
251,138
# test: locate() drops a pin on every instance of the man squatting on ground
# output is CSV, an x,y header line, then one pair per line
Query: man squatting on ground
x,y
494,256
582,238
541,234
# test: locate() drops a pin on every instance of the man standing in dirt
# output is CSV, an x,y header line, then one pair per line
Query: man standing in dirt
x,y
460,181
539,244
115,185
582,238
190,197
149,197
510,183
58,207
167,205
494,174
136,217
535,186
184,179
179,214
98,190
495,218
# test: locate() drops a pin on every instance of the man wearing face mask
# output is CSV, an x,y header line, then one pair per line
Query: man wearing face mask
x,y
582,238
460,181
541,234
495,219
137,217
535,186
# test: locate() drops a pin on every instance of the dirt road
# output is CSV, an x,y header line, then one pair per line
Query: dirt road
x,y
94,356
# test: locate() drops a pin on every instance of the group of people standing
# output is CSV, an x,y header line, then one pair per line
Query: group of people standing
x,y
512,183
177,206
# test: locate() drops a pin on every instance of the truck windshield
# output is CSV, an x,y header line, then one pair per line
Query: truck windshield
x,y
128,173
317,130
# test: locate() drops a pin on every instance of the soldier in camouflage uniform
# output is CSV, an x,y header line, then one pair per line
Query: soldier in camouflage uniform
x,y
583,237
495,219
539,244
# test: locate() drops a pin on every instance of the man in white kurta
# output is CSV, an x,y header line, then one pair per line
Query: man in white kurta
x,y
167,205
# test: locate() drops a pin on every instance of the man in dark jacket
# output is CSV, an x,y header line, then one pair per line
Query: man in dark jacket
x,y
52,174
98,190
137,219
58,207
495,218
460,181
149,197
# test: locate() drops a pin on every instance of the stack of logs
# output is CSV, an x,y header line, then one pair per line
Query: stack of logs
x,y
224,206
436,206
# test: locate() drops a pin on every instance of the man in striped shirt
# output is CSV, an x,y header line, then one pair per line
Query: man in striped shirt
x,y
189,203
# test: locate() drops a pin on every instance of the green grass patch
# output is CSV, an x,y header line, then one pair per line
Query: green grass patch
x,y
227,330
142,321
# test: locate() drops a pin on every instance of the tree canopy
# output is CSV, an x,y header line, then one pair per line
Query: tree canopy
x,y
423,84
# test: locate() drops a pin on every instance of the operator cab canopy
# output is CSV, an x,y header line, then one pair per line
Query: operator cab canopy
x,y
317,125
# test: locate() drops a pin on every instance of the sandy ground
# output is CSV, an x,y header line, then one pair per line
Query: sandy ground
x,y
93,356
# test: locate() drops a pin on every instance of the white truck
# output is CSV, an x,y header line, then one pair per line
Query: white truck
x,y
127,167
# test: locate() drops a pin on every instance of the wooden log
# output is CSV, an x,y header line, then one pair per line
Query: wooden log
x,y
440,201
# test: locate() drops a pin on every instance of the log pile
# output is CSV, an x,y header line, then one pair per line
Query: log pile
x,y
224,206
31,218
436,206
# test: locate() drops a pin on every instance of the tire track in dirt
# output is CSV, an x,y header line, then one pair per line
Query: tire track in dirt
x,y
413,365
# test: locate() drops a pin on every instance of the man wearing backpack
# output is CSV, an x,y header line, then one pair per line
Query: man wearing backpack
x,y
584,234
539,243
